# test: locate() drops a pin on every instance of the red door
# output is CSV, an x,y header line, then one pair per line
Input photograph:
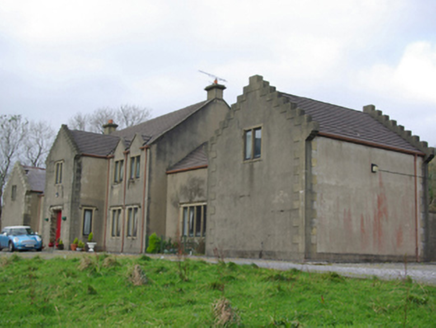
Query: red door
x,y
58,225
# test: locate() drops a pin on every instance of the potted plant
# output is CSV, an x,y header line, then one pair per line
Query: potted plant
x,y
74,244
80,246
51,242
60,244
90,243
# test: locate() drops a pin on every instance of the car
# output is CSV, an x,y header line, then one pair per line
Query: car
x,y
20,238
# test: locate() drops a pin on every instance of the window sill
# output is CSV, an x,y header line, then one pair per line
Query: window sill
x,y
252,160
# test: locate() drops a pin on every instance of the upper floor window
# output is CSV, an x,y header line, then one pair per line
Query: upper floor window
x,y
132,221
58,170
119,170
14,192
135,163
252,143
116,222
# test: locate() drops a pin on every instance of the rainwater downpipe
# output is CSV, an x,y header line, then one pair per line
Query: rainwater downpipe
x,y
106,209
124,199
144,195
416,209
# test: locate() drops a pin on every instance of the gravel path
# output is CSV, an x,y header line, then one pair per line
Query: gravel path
x,y
419,272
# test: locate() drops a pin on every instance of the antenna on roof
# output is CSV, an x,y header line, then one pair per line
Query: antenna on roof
x,y
216,78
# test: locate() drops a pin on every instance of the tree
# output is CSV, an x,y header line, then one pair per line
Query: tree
x,y
13,130
124,116
39,140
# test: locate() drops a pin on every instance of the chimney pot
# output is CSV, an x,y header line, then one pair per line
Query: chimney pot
x,y
109,127
215,90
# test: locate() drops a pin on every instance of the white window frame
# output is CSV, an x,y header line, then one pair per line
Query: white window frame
x,y
249,150
189,220
59,167
119,220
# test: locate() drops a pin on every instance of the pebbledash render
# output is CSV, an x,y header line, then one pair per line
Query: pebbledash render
x,y
273,176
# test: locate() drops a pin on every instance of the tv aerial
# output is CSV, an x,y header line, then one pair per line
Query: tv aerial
x,y
215,78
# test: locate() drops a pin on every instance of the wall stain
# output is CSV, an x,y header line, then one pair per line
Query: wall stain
x,y
380,215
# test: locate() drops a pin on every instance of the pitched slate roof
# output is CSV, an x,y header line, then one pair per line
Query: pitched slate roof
x,y
154,128
195,159
35,177
349,123
93,143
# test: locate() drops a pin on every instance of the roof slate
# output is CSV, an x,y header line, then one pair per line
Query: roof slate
x,y
349,123
35,177
152,129
94,143
194,159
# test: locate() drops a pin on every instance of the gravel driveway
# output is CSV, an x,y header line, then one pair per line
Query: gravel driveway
x,y
419,272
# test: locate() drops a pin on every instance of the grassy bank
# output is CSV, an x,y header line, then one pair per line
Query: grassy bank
x,y
106,291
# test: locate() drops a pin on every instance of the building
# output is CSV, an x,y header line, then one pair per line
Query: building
x,y
295,178
23,197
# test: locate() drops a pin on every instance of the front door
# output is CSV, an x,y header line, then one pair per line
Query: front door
x,y
58,225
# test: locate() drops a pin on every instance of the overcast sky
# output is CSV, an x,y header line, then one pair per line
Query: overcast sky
x,y
58,58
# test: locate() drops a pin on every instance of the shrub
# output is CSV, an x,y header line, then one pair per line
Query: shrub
x,y
81,244
75,241
154,244
90,236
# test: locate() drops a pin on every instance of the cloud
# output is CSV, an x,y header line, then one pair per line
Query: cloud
x,y
412,79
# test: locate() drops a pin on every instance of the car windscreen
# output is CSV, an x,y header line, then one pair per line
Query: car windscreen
x,y
21,231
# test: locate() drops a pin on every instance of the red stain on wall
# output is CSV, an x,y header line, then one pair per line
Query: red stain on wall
x,y
399,238
363,235
380,215
348,224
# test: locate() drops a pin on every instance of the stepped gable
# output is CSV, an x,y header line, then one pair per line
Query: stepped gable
x,y
35,178
152,129
195,159
95,144
351,124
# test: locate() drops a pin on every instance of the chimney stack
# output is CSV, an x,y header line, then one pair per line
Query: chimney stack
x,y
215,90
109,127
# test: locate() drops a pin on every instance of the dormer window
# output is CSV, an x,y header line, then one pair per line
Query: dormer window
x,y
252,143
135,164
118,171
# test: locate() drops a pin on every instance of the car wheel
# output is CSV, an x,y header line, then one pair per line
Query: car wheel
x,y
11,247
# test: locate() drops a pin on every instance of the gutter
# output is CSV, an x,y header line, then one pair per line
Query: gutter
x,y
371,144
188,169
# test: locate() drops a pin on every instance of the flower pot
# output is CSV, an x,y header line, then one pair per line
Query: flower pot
x,y
60,246
73,247
78,249
91,246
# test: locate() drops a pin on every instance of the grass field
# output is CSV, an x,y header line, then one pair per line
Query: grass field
x,y
106,291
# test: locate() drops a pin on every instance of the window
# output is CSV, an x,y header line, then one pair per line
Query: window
x,y
252,143
132,221
87,221
135,163
118,172
194,220
58,166
14,192
116,223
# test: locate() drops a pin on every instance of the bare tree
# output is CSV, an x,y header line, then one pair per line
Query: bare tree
x,y
13,129
124,116
39,140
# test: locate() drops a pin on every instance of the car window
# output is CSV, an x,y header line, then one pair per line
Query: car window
x,y
21,231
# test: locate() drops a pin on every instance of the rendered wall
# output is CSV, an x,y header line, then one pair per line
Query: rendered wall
x,y
363,215
256,208
128,193
13,211
173,147
59,196
183,188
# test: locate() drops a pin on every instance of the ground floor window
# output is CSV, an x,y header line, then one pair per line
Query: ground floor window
x,y
87,221
194,220
132,221
116,222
